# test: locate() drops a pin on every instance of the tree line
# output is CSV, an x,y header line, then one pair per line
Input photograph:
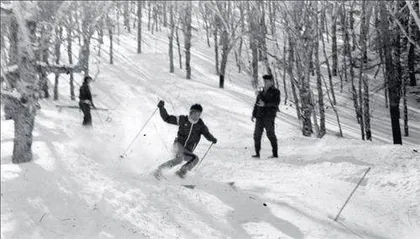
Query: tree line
x,y
356,44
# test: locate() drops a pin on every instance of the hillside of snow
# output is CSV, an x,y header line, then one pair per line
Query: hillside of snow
x,y
78,186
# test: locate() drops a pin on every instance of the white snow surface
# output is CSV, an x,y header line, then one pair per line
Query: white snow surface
x,y
78,186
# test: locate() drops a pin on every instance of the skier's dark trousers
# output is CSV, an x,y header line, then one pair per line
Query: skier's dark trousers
x,y
265,110
190,129
85,101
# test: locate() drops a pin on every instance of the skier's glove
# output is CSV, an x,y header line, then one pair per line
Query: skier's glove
x,y
214,141
161,104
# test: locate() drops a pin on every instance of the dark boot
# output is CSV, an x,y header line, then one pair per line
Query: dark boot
x,y
273,142
257,146
157,174
181,173
275,155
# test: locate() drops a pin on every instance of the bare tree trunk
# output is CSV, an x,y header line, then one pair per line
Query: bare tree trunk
x,y
118,24
85,54
101,36
415,34
149,14
171,39
314,118
272,16
322,129
284,72
187,39
391,74
58,33
42,55
134,11
179,47
239,61
351,21
329,70
292,78
206,23
22,142
78,17
111,41
263,34
24,107
70,56
404,91
365,19
139,16
216,42
348,53
253,39
381,55
127,16
155,18
305,94
165,20
225,53
334,41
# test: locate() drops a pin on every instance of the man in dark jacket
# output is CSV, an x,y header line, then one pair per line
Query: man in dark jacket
x,y
265,110
85,101
190,129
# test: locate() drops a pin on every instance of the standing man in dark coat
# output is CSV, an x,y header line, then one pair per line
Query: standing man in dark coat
x,y
85,101
265,110
190,129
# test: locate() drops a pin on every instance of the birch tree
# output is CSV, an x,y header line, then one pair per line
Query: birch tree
x,y
22,99
139,16
228,22
171,37
322,130
186,26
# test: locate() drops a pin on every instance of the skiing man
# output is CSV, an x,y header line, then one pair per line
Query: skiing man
x,y
85,101
190,129
265,110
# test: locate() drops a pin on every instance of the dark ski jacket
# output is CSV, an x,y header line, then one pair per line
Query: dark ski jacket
x,y
84,94
271,98
188,134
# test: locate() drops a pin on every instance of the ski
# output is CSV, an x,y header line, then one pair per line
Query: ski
x,y
190,186
77,107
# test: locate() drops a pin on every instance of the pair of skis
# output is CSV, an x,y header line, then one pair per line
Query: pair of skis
x,y
160,176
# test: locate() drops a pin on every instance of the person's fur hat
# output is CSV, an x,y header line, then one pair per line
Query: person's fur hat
x,y
197,107
268,77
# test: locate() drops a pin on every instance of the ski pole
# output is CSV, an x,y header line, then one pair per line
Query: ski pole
x,y
98,116
204,155
351,194
125,152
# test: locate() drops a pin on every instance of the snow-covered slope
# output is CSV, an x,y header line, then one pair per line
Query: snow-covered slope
x,y
79,187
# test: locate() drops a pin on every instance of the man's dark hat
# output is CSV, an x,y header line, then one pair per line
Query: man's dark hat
x,y
87,78
267,77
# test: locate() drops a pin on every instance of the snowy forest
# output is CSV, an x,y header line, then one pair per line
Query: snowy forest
x,y
361,43
345,70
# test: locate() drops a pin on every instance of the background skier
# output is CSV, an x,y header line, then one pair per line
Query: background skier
x,y
85,101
